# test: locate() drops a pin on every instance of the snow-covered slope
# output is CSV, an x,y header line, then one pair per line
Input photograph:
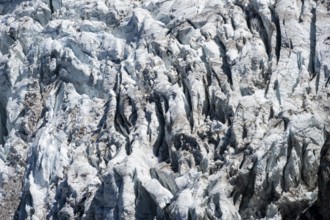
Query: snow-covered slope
x,y
166,109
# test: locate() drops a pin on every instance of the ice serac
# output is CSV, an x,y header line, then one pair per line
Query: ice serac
x,y
177,109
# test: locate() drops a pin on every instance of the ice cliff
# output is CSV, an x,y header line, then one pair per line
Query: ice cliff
x,y
164,109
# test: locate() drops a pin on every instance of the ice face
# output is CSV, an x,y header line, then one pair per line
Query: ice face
x,y
164,109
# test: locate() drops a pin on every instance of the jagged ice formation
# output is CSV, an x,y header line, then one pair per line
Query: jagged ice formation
x,y
166,109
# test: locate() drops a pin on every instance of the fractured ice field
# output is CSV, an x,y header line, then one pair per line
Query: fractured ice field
x,y
164,109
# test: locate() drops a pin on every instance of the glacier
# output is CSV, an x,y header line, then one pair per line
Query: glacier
x,y
164,109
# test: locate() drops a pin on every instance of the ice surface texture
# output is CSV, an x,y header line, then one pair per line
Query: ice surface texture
x,y
166,109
